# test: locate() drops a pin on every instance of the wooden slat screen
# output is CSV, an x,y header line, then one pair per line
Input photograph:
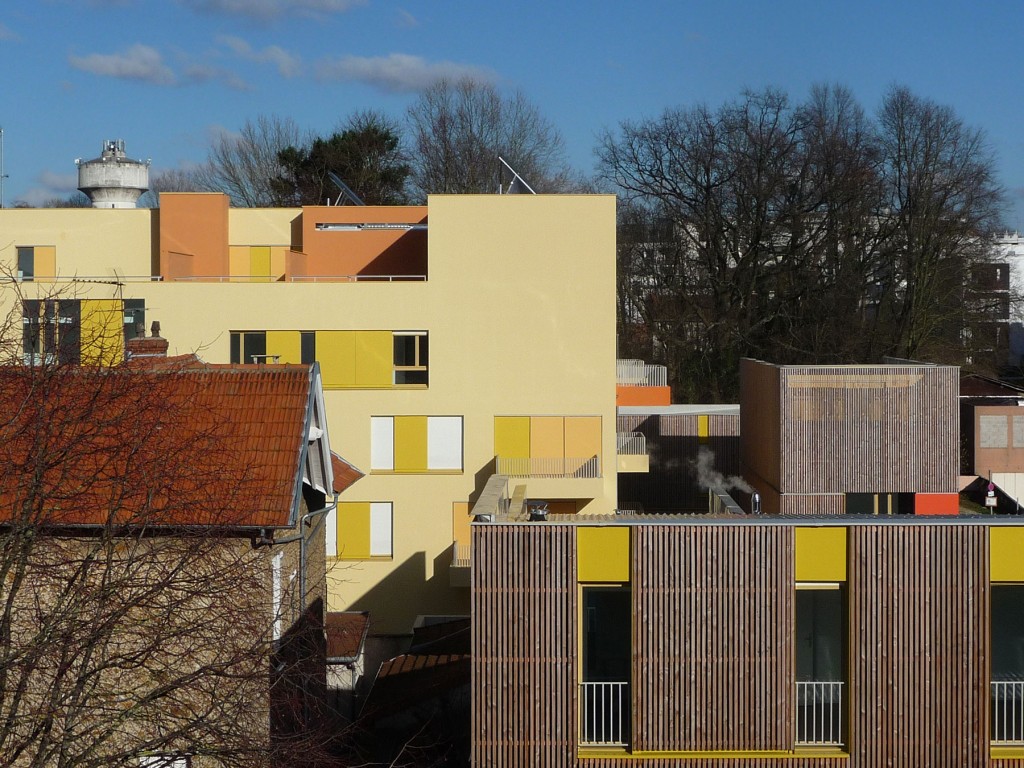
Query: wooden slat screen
x,y
524,646
713,637
918,607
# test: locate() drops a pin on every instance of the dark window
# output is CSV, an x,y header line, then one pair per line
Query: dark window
x,y
820,665
248,347
605,698
411,358
134,318
51,331
308,342
1007,689
26,263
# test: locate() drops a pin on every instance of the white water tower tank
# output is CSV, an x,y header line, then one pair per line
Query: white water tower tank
x,y
113,180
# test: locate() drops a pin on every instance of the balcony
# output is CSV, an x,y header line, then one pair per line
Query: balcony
x,y
638,383
556,467
631,450
604,714
819,714
1008,713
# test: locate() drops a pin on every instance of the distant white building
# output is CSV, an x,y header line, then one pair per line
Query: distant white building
x,y
1011,244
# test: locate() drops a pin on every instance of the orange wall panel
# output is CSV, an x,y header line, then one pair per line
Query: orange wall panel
x,y
193,235
365,251
643,395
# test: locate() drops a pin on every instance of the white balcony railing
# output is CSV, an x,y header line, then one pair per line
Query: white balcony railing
x,y
819,713
460,555
1008,712
526,466
637,373
630,444
604,714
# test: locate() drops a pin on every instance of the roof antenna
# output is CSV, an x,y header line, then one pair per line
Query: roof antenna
x,y
517,186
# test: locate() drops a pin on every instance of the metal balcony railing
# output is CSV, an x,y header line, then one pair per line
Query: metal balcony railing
x,y
526,466
819,713
1008,712
637,373
460,555
630,444
604,714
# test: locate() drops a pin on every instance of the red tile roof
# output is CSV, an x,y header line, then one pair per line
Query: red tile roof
x,y
174,444
344,473
346,632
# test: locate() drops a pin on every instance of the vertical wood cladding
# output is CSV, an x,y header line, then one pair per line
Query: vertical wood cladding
x,y
524,646
713,637
918,607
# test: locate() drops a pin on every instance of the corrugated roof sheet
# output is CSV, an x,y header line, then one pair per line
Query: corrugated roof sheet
x,y
176,444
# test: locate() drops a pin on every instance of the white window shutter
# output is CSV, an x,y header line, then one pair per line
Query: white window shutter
x,y
444,442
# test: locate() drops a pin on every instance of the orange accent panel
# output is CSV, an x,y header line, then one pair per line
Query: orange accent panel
x,y
582,436
365,251
193,235
643,395
936,504
547,437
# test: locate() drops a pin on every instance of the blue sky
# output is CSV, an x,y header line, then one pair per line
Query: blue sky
x,y
167,75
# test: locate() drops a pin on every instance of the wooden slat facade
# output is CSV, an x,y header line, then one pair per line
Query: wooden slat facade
x,y
524,646
714,662
918,608
848,429
713,646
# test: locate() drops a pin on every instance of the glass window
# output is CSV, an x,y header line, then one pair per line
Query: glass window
x,y
604,687
1007,664
411,355
26,263
820,665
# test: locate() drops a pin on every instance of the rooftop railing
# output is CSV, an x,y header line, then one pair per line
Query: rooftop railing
x,y
630,444
637,373
301,279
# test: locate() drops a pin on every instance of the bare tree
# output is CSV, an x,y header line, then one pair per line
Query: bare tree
x,y
243,165
171,180
803,233
458,130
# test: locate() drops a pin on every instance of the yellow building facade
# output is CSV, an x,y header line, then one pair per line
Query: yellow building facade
x,y
472,335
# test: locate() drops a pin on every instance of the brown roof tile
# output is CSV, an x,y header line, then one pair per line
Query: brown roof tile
x,y
346,632
176,444
344,473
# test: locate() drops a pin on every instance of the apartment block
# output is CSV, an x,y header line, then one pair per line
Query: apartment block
x,y
471,335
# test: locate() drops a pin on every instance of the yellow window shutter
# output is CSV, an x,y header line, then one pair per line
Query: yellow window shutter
x,y
259,263
354,530
410,443
375,353
239,261
512,437
1005,547
102,331
287,345
336,353
582,437
45,259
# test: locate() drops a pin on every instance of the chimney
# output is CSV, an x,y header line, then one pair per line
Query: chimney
x,y
140,346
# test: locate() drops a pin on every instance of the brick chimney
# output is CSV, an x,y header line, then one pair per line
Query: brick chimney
x,y
141,346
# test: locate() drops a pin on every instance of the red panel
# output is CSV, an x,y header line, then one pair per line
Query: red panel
x,y
936,504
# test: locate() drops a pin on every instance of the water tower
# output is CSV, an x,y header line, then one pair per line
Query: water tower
x,y
113,180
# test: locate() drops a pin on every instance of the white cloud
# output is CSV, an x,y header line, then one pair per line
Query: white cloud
x,y
406,19
272,9
287,64
397,72
198,72
6,33
59,182
140,62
